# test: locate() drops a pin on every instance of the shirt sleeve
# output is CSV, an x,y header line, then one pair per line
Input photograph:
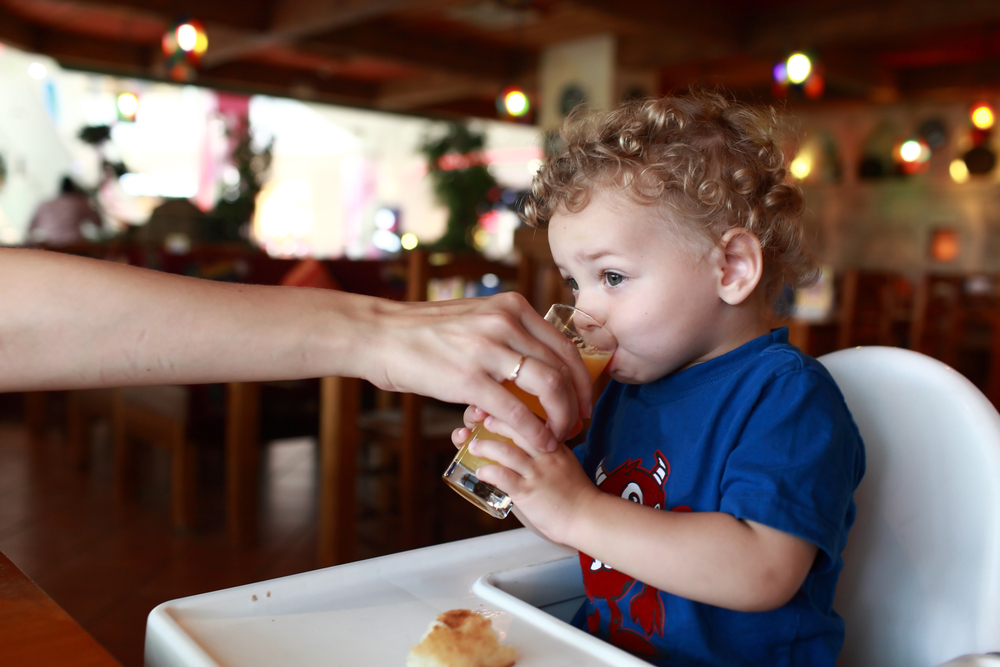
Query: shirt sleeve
x,y
797,463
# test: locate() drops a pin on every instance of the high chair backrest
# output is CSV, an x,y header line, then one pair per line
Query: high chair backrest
x,y
921,579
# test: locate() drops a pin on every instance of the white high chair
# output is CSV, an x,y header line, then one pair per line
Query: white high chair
x,y
921,578
921,581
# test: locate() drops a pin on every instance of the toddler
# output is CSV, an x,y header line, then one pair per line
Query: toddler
x,y
712,498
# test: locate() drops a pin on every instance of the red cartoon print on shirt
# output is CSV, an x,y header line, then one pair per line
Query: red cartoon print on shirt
x,y
602,582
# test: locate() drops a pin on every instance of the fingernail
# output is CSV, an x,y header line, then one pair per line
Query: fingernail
x,y
551,445
488,421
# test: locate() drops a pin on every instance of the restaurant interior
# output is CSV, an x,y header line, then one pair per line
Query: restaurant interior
x,y
383,148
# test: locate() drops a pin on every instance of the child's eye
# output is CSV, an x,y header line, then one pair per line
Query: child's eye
x,y
613,279
571,283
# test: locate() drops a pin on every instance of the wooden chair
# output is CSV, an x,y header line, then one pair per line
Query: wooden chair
x,y
875,308
83,409
412,429
955,321
158,416
539,281
35,412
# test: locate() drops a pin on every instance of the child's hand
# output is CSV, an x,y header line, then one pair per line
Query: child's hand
x,y
471,417
549,488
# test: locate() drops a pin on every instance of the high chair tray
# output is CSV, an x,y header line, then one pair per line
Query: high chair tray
x,y
372,612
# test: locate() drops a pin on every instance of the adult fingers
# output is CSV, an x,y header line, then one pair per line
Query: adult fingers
x,y
530,431
567,353
494,425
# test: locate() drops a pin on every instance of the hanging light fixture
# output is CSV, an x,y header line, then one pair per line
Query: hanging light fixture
x,y
514,102
800,72
980,159
798,66
982,116
128,105
184,44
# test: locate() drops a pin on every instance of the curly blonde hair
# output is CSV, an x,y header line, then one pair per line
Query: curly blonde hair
x,y
714,161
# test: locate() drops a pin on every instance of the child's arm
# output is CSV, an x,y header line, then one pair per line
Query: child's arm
x,y
709,557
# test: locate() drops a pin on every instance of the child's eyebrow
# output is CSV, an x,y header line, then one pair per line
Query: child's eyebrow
x,y
592,256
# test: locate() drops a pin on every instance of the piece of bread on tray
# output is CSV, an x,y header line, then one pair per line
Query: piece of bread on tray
x,y
461,638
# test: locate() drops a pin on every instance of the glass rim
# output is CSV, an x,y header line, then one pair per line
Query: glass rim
x,y
581,310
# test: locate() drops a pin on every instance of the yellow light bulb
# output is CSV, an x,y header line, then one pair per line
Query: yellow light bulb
x,y
409,241
187,37
910,150
800,167
128,104
798,67
516,103
959,171
982,116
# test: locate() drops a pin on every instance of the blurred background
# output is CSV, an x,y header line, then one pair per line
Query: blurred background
x,y
382,147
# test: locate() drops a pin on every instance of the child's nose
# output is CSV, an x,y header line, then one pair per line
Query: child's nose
x,y
592,307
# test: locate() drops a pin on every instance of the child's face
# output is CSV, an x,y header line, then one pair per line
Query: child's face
x,y
655,289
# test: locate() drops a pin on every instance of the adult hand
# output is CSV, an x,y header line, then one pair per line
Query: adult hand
x,y
460,351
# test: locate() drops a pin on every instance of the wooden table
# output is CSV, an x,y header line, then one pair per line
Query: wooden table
x,y
34,630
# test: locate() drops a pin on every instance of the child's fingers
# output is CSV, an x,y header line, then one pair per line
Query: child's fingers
x,y
505,454
502,478
473,415
494,425
459,436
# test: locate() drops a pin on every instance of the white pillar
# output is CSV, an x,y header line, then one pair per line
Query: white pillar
x,y
584,66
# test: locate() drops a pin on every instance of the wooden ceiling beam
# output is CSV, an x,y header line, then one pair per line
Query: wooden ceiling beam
x,y
16,31
808,27
294,20
433,89
434,51
248,14
983,75
83,52
669,33
692,21
268,79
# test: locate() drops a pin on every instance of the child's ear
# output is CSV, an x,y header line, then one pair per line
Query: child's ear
x,y
742,265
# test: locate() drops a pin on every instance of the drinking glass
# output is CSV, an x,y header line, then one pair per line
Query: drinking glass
x,y
596,345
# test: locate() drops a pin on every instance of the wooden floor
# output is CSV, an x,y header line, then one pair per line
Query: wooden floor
x,y
108,564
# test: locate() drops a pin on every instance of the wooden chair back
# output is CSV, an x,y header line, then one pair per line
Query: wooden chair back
x,y
875,308
955,320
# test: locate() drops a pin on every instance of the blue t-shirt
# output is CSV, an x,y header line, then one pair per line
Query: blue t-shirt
x,y
761,433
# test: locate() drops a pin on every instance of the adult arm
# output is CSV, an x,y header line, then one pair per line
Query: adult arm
x,y
69,323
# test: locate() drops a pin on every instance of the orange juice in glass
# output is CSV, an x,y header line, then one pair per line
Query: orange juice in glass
x,y
596,346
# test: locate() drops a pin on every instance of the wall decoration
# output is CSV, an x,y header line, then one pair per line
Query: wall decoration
x,y
944,246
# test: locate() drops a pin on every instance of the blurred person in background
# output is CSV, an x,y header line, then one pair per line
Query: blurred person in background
x,y
66,220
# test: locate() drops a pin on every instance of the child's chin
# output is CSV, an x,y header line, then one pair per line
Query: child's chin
x,y
624,377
